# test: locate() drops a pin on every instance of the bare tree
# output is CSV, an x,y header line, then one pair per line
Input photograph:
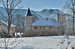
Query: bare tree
x,y
69,25
19,21
70,5
9,6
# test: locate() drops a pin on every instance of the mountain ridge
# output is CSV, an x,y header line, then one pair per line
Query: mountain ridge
x,y
50,13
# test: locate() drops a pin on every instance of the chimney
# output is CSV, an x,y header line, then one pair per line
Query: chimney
x,y
46,19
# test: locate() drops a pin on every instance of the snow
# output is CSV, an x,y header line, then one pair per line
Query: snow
x,y
49,13
46,42
18,33
44,22
6,23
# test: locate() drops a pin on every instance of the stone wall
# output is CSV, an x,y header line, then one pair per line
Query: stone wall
x,y
28,22
42,32
61,18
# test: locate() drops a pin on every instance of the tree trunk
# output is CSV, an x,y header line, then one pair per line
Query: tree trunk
x,y
20,30
5,43
73,18
73,22
9,26
16,29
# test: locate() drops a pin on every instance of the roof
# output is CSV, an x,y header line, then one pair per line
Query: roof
x,y
46,22
28,13
6,23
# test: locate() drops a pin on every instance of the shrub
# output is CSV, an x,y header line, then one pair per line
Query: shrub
x,y
3,34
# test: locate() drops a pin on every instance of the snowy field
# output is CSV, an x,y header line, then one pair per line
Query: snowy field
x,y
18,33
46,42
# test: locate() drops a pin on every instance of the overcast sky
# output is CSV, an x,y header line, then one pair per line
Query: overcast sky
x,y
38,5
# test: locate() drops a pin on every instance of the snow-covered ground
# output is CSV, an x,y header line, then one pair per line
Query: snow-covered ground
x,y
46,42
18,33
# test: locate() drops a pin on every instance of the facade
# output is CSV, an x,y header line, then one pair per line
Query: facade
x,y
43,24
4,26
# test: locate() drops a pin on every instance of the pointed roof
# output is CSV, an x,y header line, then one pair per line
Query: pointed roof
x,y
28,13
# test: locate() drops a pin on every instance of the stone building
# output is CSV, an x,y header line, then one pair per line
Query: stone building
x,y
43,24
61,18
28,20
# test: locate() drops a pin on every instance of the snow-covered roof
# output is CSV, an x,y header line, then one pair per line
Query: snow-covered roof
x,y
6,23
44,22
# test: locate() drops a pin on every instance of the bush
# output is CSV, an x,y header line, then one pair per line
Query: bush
x,y
3,34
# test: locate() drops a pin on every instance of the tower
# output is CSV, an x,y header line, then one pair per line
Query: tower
x,y
28,20
61,18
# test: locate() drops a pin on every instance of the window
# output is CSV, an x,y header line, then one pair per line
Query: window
x,y
40,27
50,27
0,24
35,27
26,19
43,27
57,27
